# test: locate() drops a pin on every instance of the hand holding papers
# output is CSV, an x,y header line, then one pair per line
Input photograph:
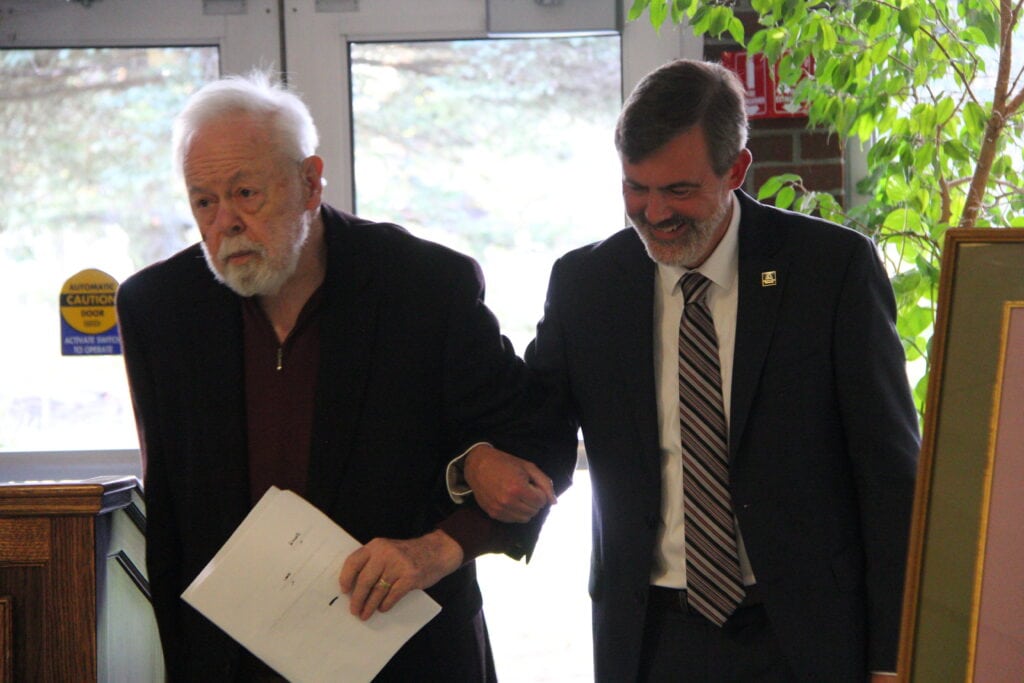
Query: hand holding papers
x,y
273,587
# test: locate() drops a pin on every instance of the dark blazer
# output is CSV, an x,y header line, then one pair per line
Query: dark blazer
x,y
823,436
413,369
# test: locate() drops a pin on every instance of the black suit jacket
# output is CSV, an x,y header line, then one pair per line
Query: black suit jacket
x,y
823,436
413,369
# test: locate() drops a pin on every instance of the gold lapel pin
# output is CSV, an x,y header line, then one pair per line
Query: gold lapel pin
x,y
768,278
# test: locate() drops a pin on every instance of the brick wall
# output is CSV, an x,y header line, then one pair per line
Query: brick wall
x,y
786,145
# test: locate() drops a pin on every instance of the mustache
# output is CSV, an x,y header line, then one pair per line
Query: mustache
x,y
237,244
641,222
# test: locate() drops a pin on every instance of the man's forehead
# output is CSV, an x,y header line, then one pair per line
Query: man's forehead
x,y
227,151
659,176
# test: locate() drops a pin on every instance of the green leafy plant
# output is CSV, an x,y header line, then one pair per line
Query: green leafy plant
x,y
929,87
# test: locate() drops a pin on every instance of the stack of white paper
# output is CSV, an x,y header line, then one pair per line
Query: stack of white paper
x,y
273,587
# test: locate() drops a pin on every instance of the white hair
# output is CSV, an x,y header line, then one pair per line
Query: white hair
x,y
256,94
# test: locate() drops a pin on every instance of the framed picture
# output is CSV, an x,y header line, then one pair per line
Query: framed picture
x,y
964,593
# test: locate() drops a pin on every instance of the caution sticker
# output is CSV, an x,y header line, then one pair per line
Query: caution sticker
x,y
88,320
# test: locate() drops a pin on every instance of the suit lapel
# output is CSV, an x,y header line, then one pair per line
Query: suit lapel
x,y
348,330
762,282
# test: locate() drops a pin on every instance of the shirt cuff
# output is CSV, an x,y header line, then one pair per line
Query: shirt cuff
x,y
475,532
458,488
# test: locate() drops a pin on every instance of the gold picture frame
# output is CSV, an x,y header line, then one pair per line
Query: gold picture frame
x,y
965,568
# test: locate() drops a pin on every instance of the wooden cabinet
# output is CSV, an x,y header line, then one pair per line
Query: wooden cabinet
x,y
73,593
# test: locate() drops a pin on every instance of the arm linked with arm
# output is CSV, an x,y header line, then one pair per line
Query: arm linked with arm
x,y
495,399
508,487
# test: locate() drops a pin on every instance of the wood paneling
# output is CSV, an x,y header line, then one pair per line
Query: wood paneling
x,y
48,546
6,641
24,540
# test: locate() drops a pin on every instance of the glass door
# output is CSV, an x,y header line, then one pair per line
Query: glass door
x,y
502,149
87,94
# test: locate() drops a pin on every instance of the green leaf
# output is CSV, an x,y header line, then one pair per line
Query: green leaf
x,y
902,220
829,39
896,189
1001,165
637,9
701,20
757,42
975,118
841,76
910,19
956,150
657,10
945,109
905,286
865,126
876,21
988,24
862,11
736,30
915,320
770,187
784,199
678,10
887,118
973,34
921,392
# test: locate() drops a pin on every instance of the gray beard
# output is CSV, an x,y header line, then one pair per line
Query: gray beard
x,y
690,249
263,276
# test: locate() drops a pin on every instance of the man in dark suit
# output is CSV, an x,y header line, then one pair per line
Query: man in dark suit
x,y
305,348
800,577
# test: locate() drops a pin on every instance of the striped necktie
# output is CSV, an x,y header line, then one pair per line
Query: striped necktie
x,y
714,584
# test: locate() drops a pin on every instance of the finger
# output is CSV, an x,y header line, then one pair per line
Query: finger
x,y
378,592
528,501
353,564
362,590
398,591
531,499
357,599
542,482
522,513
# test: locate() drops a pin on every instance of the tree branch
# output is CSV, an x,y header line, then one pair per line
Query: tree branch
x,y
996,121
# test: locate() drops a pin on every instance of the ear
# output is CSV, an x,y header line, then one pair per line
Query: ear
x,y
737,173
312,181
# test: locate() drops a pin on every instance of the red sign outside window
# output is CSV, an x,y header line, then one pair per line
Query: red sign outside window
x,y
766,99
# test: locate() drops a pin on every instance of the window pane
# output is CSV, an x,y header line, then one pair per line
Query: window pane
x,y
85,158
503,150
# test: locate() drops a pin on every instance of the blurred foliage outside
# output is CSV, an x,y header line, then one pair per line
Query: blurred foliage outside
x,y
85,157
935,89
501,149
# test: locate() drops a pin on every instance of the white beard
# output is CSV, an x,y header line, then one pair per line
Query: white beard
x,y
265,273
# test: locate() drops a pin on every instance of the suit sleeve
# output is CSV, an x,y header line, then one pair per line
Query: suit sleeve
x,y
487,396
556,420
163,556
881,428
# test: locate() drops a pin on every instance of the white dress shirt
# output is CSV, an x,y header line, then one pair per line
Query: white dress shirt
x,y
722,269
